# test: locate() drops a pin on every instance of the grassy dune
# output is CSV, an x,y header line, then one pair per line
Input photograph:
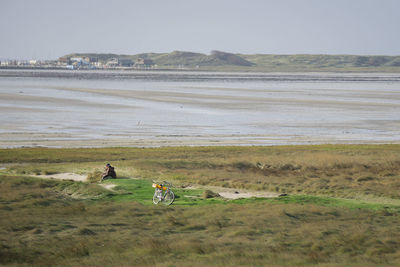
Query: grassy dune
x,y
342,208
223,61
351,171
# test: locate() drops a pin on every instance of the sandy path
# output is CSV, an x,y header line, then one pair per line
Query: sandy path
x,y
108,186
65,176
228,193
74,177
248,194
232,193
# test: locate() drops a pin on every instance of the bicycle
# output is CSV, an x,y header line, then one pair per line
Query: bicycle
x,y
166,198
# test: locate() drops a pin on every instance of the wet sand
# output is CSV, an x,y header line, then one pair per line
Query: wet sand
x,y
58,141
86,109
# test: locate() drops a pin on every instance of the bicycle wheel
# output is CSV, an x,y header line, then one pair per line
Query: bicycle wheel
x,y
157,196
168,198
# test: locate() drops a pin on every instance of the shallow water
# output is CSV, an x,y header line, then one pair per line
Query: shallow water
x,y
172,109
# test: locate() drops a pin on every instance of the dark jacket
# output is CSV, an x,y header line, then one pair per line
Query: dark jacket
x,y
110,172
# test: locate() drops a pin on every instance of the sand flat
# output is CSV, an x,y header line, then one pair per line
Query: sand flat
x,y
70,109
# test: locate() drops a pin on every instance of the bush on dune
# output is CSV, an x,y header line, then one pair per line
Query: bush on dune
x,y
94,177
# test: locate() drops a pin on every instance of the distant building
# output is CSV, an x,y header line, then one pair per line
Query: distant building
x,y
113,62
98,64
93,59
64,61
6,63
125,62
144,62
23,63
76,59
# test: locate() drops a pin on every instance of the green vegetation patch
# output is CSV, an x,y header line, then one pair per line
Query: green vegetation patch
x,y
142,192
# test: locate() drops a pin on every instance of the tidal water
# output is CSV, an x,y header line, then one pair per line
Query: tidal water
x,y
53,108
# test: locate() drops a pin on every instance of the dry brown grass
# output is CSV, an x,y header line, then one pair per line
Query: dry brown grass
x,y
346,172
94,177
334,170
42,224
39,226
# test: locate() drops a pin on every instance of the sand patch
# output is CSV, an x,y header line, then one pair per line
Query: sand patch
x,y
232,193
108,186
238,194
74,177
65,176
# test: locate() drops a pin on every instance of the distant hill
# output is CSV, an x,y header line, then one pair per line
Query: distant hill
x,y
224,61
326,62
179,58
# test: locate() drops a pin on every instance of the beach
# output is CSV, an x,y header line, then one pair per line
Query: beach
x,y
171,108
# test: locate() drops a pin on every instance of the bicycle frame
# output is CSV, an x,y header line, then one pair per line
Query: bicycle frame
x,y
167,197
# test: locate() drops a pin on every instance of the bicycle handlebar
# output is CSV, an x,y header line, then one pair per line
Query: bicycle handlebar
x,y
163,183
167,183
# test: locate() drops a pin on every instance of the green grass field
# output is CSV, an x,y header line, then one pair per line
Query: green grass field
x,y
341,209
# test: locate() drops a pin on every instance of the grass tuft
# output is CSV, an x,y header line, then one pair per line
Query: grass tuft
x,y
209,194
94,177
86,231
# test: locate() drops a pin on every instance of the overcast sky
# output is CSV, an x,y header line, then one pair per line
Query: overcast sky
x,y
48,29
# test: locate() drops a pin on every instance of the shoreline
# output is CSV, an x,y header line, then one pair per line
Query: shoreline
x,y
196,75
108,143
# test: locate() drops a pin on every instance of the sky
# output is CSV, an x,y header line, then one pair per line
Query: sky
x,y
48,29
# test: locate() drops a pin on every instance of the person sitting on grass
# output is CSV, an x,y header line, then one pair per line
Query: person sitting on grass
x,y
109,172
